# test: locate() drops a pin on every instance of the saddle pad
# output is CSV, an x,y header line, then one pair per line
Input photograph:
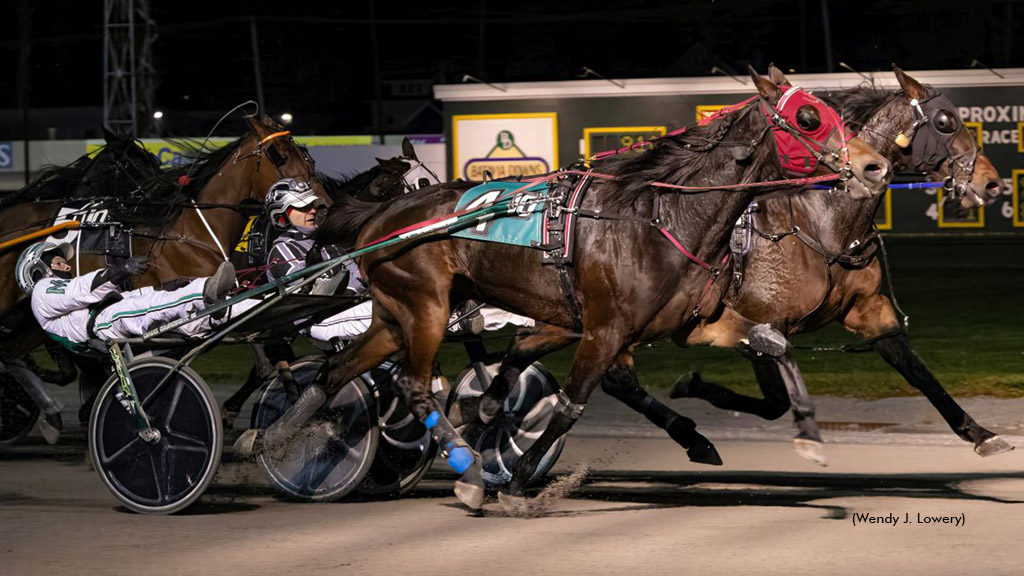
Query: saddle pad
x,y
523,226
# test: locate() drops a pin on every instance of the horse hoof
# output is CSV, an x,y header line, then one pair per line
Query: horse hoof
x,y
248,444
685,385
702,451
992,446
50,426
469,488
812,450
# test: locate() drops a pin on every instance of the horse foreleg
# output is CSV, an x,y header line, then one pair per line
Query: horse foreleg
x,y
528,346
592,359
873,317
620,382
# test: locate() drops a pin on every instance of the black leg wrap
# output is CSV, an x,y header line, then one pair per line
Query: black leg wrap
x,y
564,415
899,354
621,383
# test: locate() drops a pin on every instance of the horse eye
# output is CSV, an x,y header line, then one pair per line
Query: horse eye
x,y
944,122
808,119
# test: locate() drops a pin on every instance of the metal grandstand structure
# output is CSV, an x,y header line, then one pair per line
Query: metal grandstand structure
x,y
129,77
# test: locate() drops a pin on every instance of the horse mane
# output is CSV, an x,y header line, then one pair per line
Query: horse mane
x,y
121,169
669,159
857,105
203,164
340,186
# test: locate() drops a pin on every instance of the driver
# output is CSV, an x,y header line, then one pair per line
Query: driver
x,y
292,207
73,310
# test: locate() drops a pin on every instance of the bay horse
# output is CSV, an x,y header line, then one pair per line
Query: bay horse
x,y
801,282
186,220
631,285
815,265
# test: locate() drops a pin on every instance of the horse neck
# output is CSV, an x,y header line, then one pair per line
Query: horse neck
x,y
703,222
228,188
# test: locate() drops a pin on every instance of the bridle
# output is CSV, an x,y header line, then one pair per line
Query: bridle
x,y
789,139
417,176
927,113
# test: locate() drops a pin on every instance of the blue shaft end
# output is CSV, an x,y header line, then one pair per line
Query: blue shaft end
x,y
460,459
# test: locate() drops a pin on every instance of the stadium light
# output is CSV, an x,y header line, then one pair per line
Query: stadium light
x,y
286,118
158,115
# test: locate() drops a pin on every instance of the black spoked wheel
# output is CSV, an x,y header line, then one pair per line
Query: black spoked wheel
x,y
331,455
18,413
405,450
171,473
524,417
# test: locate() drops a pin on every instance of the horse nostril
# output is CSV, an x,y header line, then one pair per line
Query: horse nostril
x,y
993,188
875,172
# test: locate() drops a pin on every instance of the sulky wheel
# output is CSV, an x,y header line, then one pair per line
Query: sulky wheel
x,y
524,416
171,473
18,413
405,451
329,457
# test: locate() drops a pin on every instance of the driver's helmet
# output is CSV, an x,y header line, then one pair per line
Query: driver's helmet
x,y
285,194
34,263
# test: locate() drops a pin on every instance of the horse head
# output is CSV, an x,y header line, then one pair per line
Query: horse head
x,y
811,139
276,155
941,146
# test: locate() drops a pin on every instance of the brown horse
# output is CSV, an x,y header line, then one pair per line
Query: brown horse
x,y
631,285
187,220
829,273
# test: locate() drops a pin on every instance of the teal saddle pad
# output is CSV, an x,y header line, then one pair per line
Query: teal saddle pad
x,y
521,226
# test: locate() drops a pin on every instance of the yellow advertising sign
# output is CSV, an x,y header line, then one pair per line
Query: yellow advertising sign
x,y
504,145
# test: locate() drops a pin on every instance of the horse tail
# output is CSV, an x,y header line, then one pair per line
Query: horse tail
x,y
345,218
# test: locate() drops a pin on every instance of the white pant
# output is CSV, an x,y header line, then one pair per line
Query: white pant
x,y
496,318
351,323
143,309
345,325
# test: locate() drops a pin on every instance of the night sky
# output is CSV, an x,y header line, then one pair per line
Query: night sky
x,y
317,62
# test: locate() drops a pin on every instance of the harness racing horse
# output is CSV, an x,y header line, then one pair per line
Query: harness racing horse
x,y
185,219
815,267
812,259
630,285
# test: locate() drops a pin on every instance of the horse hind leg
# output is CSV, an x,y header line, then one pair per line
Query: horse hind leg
x,y
620,382
368,351
423,330
899,354
873,316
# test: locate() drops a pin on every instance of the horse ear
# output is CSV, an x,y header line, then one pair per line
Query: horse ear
x,y
381,161
777,76
407,150
765,87
108,136
255,123
912,87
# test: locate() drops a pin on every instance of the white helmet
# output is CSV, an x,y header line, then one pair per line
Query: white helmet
x,y
32,267
287,193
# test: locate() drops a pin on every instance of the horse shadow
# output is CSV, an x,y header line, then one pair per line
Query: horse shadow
x,y
645,490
